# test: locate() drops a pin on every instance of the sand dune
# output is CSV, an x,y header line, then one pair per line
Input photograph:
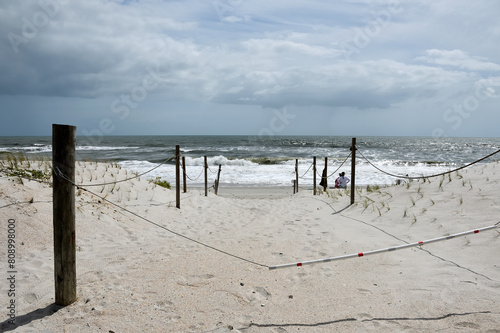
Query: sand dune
x,y
135,276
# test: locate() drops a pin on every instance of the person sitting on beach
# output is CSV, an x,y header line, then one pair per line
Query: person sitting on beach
x,y
343,180
337,184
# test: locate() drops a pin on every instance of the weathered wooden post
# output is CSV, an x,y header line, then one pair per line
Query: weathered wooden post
x,y
63,175
206,177
325,175
353,170
184,174
177,177
217,181
314,175
296,175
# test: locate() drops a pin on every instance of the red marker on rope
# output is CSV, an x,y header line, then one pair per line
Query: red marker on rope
x,y
400,247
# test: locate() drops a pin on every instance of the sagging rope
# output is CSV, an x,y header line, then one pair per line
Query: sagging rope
x,y
80,187
337,168
59,173
184,168
305,173
211,170
390,249
172,231
424,177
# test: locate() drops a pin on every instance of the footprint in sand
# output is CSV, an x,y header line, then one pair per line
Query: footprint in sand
x,y
195,280
364,291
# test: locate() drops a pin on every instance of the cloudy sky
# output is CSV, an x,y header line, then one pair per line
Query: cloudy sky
x,y
280,67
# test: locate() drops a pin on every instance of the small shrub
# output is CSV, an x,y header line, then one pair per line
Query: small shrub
x,y
163,183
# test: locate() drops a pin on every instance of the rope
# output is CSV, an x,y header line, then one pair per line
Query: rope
x,y
390,249
305,173
340,165
80,187
184,167
337,168
60,174
431,176
210,169
173,232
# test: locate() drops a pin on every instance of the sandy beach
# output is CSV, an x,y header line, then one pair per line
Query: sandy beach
x,y
134,276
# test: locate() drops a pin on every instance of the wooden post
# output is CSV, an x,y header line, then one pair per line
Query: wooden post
x,y
353,170
314,175
206,178
297,175
325,175
63,175
177,177
184,174
217,182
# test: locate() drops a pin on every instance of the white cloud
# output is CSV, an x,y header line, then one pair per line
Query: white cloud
x,y
459,59
261,53
279,47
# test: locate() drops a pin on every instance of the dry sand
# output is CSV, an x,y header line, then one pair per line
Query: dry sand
x,y
134,276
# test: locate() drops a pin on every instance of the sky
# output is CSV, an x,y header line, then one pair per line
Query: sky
x,y
251,67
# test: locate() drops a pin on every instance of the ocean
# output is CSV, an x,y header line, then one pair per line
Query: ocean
x,y
270,161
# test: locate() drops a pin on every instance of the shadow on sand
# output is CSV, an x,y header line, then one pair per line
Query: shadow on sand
x,y
22,320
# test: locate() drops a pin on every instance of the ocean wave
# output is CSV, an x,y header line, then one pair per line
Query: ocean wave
x,y
29,149
217,160
104,148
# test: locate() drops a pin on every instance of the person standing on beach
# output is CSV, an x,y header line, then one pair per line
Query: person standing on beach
x,y
324,180
343,180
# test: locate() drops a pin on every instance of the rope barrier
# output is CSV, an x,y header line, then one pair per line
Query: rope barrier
x,y
210,169
345,160
390,249
169,230
340,165
305,173
402,240
183,166
60,174
430,176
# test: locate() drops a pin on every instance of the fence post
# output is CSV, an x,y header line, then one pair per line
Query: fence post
x,y
63,163
297,175
184,174
314,175
206,178
353,170
217,182
177,177
325,175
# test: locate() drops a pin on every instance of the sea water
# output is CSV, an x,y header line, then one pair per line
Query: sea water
x,y
270,161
